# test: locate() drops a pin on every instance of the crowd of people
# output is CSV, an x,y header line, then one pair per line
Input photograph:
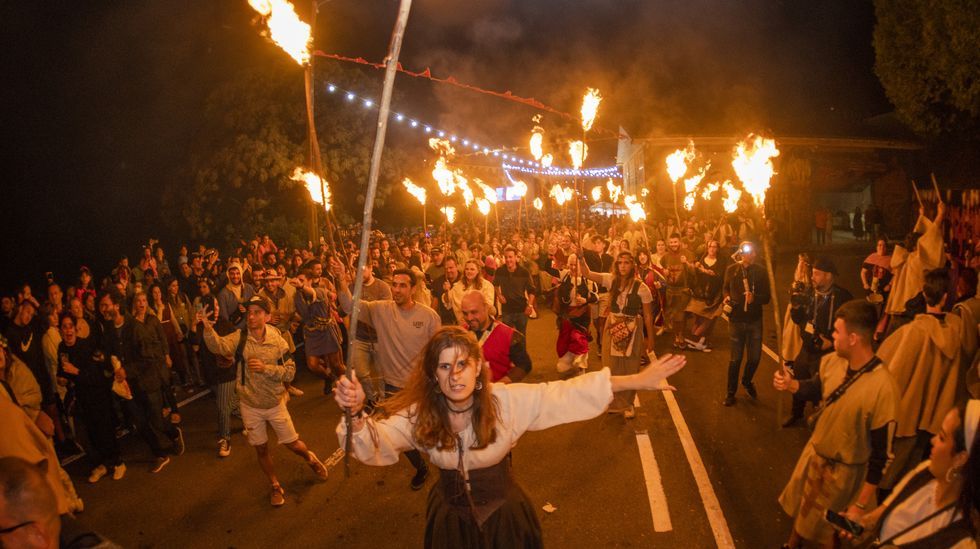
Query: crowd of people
x,y
440,348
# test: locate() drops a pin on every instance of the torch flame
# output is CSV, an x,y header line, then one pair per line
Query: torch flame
x,y
537,137
752,162
590,106
644,192
615,191
596,193
562,194
414,190
442,146
314,185
520,189
285,28
546,160
677,162
444,177
732,196
483,205
538,204
710,189
635,208
464,188
450,213
489,193
579,151
691,186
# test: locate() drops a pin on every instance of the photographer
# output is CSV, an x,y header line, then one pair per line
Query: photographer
x,y
814,314
746,290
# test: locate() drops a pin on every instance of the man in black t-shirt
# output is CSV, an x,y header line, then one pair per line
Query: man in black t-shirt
x,y
440,289
514,291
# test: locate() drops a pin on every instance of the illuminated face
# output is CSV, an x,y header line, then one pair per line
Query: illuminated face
x,y
624,265
510,258
256,317
470,271
474,312
661,247
235,276
139,304
401,289
944,455
76,308
67,329
173,287
674,244
842,344
452,270
108,309
712,249
880,248
456,374
317,269
822,280
55,295
157,294
271,284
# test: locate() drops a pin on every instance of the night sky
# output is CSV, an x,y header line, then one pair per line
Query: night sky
x,y
102,101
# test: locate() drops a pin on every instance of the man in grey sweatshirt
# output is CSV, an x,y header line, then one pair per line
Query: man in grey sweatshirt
x,y
403,327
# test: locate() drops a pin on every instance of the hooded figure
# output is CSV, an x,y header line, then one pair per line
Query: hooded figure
x,y
910,265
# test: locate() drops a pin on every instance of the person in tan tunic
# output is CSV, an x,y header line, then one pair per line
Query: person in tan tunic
x,y
924,358
843,461
910,265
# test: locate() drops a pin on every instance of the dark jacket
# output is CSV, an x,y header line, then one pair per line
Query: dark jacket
x,y
758,283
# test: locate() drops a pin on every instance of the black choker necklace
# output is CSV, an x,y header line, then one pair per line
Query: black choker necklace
x,y
463,411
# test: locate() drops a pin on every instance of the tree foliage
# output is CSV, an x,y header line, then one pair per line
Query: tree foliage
x,y
928,60
253,137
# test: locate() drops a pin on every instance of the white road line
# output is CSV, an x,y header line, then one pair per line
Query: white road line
x,y
636,401
655,488
716,518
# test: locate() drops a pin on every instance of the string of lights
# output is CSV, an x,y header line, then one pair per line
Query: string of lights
x,y
525,165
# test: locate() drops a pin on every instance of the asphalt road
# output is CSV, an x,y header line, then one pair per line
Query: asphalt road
x,y
591,473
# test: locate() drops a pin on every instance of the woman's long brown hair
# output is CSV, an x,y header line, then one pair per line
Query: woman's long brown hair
x,y
621,283
425,405
478,281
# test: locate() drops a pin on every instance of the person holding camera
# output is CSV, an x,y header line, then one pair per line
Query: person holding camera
x,y
746,291
814,314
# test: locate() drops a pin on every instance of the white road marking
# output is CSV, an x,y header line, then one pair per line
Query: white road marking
x,y
655,487
636,401
716,518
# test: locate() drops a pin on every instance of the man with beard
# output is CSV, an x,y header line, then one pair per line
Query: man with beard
x,y
816,321
514,291
679,278
403,327
231,297
503,347
440,291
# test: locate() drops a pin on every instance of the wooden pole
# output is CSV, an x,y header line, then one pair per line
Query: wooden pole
x,y
915,188
391,68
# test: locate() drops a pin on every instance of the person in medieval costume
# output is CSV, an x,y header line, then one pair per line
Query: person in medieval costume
x,y
573,298
969,311
843,461
876,277
924,358
910,261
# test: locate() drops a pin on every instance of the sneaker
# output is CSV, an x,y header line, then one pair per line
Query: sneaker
x,y
317,466
175,418
224,448
418,481
119,471
278,496
729,401
97,474
750,389
159,464
629,413
179,442
294,391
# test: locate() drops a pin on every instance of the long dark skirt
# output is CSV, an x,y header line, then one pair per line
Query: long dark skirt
x,y
513,525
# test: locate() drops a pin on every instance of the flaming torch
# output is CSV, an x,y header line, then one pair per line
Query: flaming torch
x,y
752,162
615,191
419,194
677,162
596,193
315,185
483,205
538,203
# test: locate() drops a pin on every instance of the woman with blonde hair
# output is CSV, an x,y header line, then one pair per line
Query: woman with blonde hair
x,y
468,426
472,279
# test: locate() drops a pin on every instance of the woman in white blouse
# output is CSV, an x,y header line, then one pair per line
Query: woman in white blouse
x,y
468,426
472,280
934,505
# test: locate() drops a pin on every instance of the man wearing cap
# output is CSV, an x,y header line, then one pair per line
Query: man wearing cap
x,y
746,290
437,268
233,295
815,317
262,364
